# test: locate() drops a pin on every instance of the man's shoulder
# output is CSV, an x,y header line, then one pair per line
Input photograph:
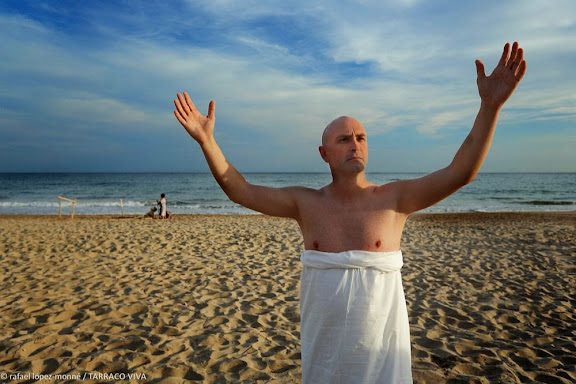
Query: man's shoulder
x,y
306,194
381,197
306,191
387,187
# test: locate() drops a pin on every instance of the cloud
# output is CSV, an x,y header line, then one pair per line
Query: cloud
x,y
279,71
96,110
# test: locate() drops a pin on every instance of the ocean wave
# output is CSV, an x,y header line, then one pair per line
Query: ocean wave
x,y
20,204
546,202
200,194
79,203
114,207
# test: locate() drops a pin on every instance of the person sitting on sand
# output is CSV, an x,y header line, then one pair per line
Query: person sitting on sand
x,y
151,213
354,322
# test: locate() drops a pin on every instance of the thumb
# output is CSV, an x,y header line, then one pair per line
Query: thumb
x,y
480,70
211,109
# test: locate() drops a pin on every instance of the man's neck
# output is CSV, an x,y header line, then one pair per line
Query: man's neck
x,y
348,186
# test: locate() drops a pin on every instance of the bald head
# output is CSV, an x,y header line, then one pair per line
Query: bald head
x,y
344,146
340,123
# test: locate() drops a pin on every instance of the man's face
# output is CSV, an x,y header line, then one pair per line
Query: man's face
x,y
344,145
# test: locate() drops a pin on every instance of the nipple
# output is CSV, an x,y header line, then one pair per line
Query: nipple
x,y
378,244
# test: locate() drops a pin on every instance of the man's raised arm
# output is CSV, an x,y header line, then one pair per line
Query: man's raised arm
x,y
494,90
270,201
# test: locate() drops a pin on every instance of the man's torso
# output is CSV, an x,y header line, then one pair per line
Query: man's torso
x,y
367,222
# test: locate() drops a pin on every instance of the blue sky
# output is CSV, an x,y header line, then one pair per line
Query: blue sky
x,y
88,85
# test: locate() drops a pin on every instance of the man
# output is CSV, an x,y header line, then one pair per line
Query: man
x,y
354,324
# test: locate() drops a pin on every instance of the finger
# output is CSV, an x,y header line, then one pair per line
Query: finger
x,y
480,70
190,104
521,71
504,58
519,58
179,117
179,108
184,105
211,109
513,55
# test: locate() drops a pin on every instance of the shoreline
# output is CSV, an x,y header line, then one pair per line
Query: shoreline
x,y
215,298
256,214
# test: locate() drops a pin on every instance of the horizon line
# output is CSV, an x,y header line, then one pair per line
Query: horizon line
x,y
258,172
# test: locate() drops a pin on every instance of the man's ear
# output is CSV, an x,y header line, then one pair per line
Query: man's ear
x,y
322,151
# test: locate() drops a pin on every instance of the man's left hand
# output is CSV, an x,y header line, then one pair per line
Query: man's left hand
x,y
498,87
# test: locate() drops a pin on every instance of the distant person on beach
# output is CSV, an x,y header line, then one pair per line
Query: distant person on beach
x,y
162,205
354,322
151,213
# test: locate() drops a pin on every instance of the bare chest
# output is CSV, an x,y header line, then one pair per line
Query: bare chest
x,y
342,227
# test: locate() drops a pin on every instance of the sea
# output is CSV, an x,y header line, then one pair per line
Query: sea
x,y
198,193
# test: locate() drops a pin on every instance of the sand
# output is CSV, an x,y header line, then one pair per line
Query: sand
x,y
214,299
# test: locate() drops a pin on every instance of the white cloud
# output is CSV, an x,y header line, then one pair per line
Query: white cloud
x,y
420,77
95,109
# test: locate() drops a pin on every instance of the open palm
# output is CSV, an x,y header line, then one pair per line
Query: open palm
x,y
198,126
495,89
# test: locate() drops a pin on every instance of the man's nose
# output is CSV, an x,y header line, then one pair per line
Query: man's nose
x,y
354,144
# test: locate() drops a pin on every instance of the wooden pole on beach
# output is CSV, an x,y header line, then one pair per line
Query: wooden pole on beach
x,y
73,201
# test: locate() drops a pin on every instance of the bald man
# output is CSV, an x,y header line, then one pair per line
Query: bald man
x,y
354,323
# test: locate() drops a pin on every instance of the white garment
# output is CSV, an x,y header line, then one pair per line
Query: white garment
x,y
163,207
354,321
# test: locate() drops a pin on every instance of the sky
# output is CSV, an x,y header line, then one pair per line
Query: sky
x,y
88,86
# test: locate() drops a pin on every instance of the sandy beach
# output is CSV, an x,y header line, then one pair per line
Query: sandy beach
x,y
214,299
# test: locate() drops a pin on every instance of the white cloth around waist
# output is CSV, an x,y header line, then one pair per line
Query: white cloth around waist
x,y
354,322
380,261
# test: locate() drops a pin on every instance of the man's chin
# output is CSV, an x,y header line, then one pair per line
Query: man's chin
x,y
356,166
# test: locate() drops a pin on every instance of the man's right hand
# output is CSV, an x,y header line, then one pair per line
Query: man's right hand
x,y
200,127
